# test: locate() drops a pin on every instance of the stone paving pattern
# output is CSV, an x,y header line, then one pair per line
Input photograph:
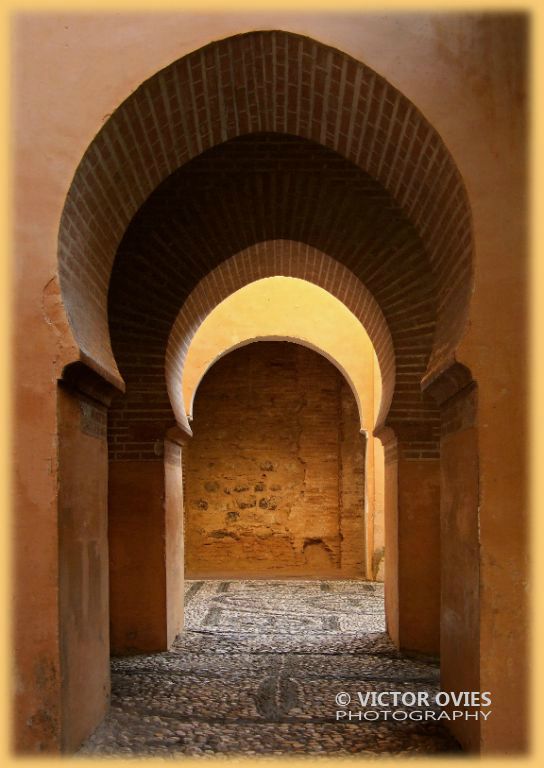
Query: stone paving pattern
x,y
256,672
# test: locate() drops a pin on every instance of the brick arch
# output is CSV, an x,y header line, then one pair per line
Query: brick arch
x,y
284,258
260,81
259,188
365,428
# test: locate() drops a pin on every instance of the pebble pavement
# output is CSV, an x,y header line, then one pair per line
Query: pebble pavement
x,y
256,672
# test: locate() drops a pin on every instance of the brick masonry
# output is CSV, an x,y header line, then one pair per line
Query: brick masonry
x,y
266,134
274,482
257,82
285,258
253,189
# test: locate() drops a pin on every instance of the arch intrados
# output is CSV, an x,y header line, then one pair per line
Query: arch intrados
x,y
111,182
291,340
275,258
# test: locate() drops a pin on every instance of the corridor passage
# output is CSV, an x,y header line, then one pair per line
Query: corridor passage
x,y
257,671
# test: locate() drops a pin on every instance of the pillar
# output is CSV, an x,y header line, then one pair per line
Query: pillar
x,y
457,396
82,402
146,551
412,544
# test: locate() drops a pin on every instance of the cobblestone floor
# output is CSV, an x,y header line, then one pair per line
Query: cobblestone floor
x,y
257,671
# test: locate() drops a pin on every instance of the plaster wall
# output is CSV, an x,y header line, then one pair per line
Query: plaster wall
x,y
137,557
291,308
466,73
412,567
174,542
419,555
376,499
83,562
391,525
378,527
146,552
460,620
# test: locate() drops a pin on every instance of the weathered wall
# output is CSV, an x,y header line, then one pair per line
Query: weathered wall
x,y
378,527
375,498
391,526
495,350
275,470
460,621
83,562
174,543
146,552
137,557
419,554
412,532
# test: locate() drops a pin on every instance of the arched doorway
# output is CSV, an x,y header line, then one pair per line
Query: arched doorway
x,y
290,309
176,188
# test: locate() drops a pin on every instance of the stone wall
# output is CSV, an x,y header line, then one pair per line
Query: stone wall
x,y
275,470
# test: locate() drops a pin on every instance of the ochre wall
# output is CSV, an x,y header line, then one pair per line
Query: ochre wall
x,y
377,545
83,560
494,168
412,566
292,308
137,574
146,552
391,525
174,544
375,489
275,469
460,621
419,554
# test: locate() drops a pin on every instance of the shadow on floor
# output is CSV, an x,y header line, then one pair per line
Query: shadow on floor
x,y
257,671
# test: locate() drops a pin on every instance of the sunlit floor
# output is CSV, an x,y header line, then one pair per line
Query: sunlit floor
x,y
258,670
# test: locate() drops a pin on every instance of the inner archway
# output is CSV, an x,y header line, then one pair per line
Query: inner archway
x,y
274,475
360,184
330,288
199,105
288,308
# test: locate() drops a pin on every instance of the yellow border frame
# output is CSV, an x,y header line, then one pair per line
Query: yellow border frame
x,y
536,290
